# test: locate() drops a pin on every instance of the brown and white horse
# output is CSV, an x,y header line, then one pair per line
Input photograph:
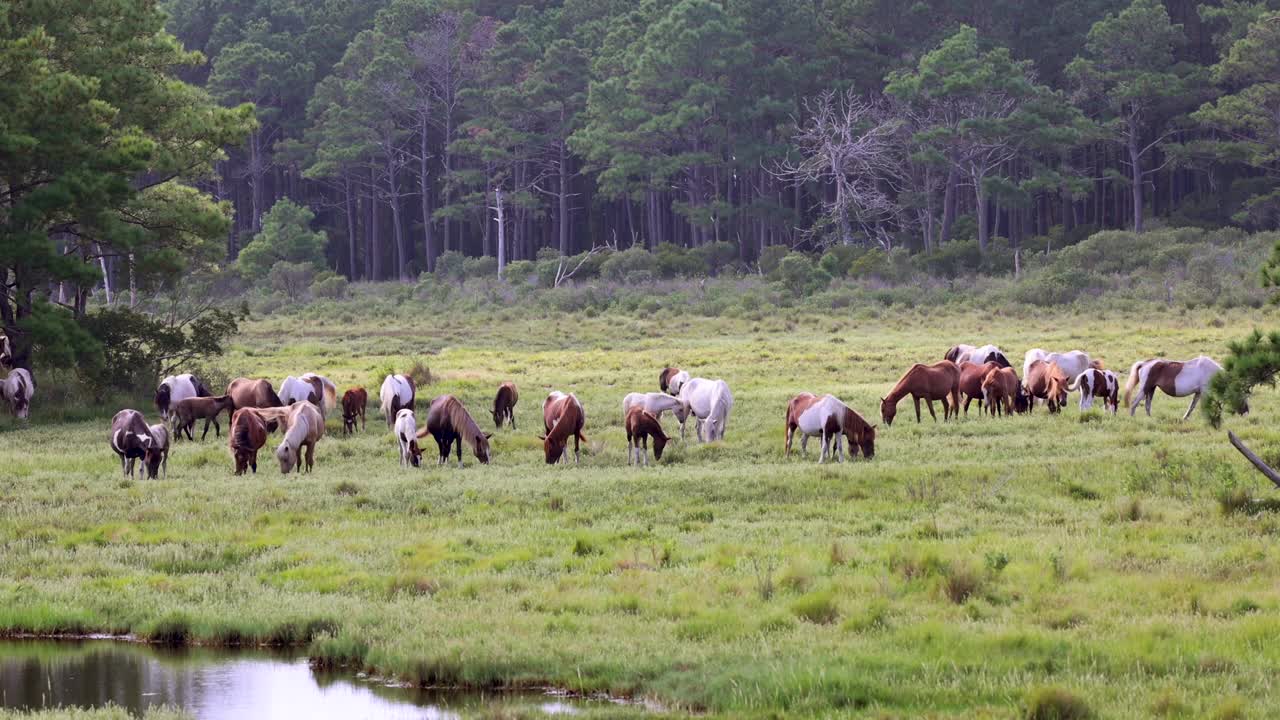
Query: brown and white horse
x,y
938,381
17,389
670,380
253,393
1176,379
187,411
407,434
795,409
641,426
397,392
1072,362
449,422
977,355
328,392
1046,381
160,433
504,404
971,377
246,436
354,402
294,390
1095,383
131,440
829,418
176,388
563,418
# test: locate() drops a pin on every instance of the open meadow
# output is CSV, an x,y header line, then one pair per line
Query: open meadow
x,y
993,568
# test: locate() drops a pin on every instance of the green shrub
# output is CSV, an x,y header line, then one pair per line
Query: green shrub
x,y
480,267
800,276
714,258
1052,703
518,272
621,265
818,607
675,261
770,258
291,278
333,287
837,260
451,265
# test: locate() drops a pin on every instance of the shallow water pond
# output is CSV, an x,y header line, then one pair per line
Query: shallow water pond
x,y
222,684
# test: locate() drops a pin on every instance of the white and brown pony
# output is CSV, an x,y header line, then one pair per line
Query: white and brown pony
x,y
1176,379
397,392
246,436
563,418
407,435
656,403
642,425
1094,383
6,352
830,419
977,355
294,390
328,392
354,402
131,439
176,388
17,389
303,428
939,381
672,380
449,422
504,404
710,401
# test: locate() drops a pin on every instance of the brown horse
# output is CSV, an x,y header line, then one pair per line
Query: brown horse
x,y
1046,381
448,422
186,412
354,403
795,409
640,427
563,417
938,381
504,404
253,393
1000,391
247,435
971,377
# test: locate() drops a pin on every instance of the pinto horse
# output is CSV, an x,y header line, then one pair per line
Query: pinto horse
x,y
397,392
795,409
829,418
407,434
1046,381
131,439
247,435
328,392
971,377
939,381
448,422
504,404
642,425
354,402
294,390
176,388
563,418
253,393
1176,379
670,380
1095,383
17,389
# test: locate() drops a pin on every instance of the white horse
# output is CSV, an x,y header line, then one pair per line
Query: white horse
x,y
824,419
1072,363
330,399
397,392
407,434
1176,379
176,388
676,383
294,390
303,429
1097,383
17,389
710,401
656,403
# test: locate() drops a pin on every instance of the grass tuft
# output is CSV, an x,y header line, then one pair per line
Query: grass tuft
x,y
1054,703
818,607
961,582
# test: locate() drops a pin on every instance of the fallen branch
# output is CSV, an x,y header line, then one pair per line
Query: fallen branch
x,y
1249,455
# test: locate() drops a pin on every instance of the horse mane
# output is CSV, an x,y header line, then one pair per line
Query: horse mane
x,y
898,389
569,413
462,422
299,427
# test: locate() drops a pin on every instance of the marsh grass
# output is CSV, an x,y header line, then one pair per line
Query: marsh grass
x,y
969,562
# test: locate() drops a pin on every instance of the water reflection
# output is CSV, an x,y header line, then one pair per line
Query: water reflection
x,y
222,685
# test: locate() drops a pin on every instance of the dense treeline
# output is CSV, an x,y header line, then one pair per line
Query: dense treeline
x,y
402,123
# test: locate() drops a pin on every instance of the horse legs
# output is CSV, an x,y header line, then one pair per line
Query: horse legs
x,y
1150,396
577,438
822,456
791,433
804,445
966,405
311,456
916,398
205,434
644,449
934,415
1194,399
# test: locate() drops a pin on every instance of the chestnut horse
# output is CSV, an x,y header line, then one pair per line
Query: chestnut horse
x,y
354,402
1002,392
938,381
1046,381
504,404
971,377
448,422
563,418
247,435
641,426
253,394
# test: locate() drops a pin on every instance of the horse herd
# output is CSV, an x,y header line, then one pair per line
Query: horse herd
x,y
256,410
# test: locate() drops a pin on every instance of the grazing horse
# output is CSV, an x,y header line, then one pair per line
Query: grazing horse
x,y
938,381
328,392
563,418
1072,362
176,388
1002,392
131,439
303,428
642,425
1176,379
710,402
246,436
674,382
161,447
6,352
253,393
1046,381
407,434
186,412
829,418
17,389
504,404
294,390
1094,383
397,392
353,406
958,353
449,422
971,377
655,404
795,409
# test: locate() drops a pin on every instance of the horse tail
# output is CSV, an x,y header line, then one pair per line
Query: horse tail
x,y
1132,380
1073,384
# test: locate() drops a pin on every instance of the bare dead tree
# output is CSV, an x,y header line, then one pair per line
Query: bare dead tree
x,y
563,274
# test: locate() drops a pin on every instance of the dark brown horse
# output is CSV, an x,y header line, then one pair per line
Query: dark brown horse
x,y
971,377
247,393
354,403
938,381
640,427
448,422
504,404
1046,381
563,418
186,412
247,435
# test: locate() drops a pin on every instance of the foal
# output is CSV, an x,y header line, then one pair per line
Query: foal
x,y
246,436
354,402
640,427
407,434
186,412
504,404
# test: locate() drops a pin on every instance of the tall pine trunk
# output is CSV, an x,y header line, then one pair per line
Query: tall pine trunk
x,y
1135,158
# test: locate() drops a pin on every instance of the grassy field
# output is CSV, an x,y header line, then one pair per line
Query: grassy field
x,y
979,568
